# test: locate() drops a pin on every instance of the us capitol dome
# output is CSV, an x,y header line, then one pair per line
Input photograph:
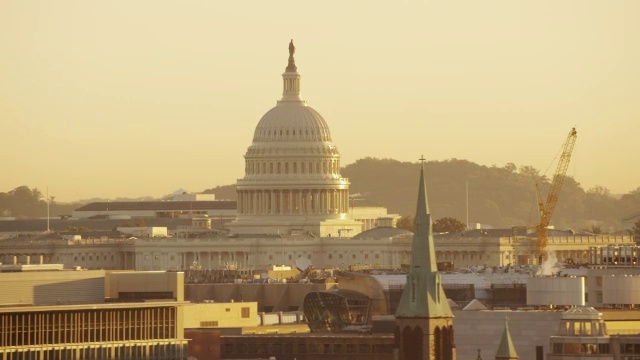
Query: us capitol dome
x,y
292,182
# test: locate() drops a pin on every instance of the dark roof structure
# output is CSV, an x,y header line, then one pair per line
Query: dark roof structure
x,y
58,225
160,205
382,232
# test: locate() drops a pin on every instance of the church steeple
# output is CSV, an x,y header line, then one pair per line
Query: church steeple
x,y
423,318
423,294
506,350
291,80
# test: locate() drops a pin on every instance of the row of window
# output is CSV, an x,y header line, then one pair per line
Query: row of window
x,y
290,348
330,256
580,348
321,167
151,352
289,133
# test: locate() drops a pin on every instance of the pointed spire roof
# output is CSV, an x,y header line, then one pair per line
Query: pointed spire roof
x,y
424,254
423,294
506,350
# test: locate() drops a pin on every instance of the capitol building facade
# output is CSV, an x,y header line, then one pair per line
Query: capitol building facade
x,y
292,182
293,207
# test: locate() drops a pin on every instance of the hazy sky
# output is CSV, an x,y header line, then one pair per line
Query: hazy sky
x,y
134,98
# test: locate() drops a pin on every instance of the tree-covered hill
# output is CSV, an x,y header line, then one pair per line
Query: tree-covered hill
x,y
499,196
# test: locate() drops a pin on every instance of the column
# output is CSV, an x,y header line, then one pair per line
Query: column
x,y
281,197
272,201
254,202
290,201
314,202
299,194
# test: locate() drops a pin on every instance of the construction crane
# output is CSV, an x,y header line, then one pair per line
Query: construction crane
x,y
546,209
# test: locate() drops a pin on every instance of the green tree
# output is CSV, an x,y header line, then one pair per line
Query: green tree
x,y
448,224
405,222
636,231
23,202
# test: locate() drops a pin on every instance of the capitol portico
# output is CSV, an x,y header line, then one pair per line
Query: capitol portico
x,y
292,182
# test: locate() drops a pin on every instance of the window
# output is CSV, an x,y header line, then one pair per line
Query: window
x,y
227,309
208,324
245,313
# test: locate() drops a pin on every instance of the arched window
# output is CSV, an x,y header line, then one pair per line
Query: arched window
x,y
437,344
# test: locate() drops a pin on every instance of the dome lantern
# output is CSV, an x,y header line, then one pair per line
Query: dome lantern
x,y
291,80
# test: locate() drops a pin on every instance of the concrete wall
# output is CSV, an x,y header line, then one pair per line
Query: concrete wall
x,y
145,281
52,287
225,315
483,330
270,297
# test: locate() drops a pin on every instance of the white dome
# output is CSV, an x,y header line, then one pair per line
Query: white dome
x,y
292,122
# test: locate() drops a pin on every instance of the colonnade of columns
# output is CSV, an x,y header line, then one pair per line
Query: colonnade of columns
x,y
293,201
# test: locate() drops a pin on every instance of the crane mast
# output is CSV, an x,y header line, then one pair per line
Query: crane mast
x,y
546,209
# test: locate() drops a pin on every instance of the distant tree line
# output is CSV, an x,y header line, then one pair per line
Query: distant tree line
x,y
498,196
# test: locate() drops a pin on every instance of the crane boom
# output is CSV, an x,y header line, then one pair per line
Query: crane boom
x,y
546,209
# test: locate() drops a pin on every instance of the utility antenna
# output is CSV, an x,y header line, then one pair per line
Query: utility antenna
x,y
48,204
467,186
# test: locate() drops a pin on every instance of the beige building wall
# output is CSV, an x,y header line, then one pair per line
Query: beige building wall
x,y
145,281
259,253
220,315
52,287
482,330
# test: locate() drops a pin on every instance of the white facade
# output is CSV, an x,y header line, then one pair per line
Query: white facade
x,y
292,182
193,197
373,216
621,290
142,231
556,291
